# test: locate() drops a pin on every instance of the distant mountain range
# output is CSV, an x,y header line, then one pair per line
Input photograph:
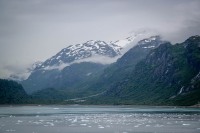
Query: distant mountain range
x,y
92,51
52,72
152,72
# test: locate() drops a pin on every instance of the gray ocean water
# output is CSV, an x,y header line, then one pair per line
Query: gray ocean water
x,y
98,119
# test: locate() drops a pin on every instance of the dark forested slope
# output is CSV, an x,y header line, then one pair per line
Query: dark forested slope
x,y
11,92
169,74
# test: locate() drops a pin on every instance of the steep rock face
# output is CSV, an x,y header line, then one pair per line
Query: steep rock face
x,y
139,51
126,64
122,69
11,92
166,73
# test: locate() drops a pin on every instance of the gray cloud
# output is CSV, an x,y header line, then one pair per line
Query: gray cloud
x,y
32,30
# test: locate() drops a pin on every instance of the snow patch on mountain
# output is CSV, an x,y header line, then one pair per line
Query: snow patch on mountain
x,y
89,50
123,43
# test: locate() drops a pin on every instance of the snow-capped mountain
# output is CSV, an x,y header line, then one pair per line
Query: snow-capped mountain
x,y
74,64
139,51
134,37
85,50
81,51
150,42
91,51
92,48
123,43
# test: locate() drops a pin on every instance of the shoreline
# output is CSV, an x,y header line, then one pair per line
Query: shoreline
x,y
99,105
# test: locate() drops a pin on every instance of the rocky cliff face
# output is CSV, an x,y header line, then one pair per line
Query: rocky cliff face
x,y
166,73
126,64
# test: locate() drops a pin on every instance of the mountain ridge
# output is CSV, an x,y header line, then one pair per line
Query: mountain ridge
x,y
167,74
81,51
153,72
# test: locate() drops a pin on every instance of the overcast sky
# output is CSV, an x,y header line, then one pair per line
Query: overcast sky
x,y
34,30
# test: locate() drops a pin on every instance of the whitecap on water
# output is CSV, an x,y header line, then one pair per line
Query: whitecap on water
x,y
184,124
75,120
50,123
85,120
19,121
158,125
36,122
100,126
83,124
46,125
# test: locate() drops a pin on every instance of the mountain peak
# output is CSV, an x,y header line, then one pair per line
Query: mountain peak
x,y
150,42
81,51
194,37
124,42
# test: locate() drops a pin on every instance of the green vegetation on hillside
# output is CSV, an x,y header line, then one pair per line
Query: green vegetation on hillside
x,y
168,74
12,93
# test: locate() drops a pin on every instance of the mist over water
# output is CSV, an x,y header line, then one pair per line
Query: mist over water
x,y
98,119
